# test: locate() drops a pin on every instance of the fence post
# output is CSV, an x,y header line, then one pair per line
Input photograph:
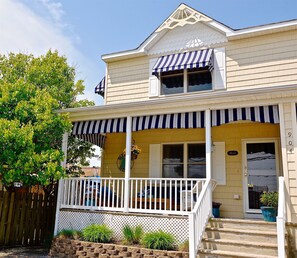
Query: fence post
x,y
192,237
61,182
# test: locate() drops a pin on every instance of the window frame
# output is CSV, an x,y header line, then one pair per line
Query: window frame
x,y
185,157
185,73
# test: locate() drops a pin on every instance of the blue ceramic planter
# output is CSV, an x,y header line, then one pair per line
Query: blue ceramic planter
x,y
216,212
269,213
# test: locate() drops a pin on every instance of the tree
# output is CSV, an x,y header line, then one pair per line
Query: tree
x,y
31,90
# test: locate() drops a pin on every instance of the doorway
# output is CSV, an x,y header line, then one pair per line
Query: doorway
x,y
260,172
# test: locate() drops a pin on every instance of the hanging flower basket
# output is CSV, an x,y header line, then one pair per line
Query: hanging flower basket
x,y
121,161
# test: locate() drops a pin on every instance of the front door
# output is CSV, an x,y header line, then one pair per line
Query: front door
x,y
260,171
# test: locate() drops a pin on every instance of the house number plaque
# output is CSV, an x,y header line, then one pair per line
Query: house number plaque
x,y
290,143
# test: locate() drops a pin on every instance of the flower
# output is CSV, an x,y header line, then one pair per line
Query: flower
x,y
135,150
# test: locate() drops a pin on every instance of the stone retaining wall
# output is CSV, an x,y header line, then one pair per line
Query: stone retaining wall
x,y
76,248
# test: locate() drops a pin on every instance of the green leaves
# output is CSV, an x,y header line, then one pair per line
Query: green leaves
x,y
31,90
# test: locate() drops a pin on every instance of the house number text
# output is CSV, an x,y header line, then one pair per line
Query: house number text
x,y
290,142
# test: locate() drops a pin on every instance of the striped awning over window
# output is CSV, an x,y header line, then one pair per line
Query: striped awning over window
x,y
100,88
194,59
262,114
171,121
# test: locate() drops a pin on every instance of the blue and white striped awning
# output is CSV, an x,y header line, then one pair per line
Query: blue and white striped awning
x,y
262,114
194,59
96,139
92,131
100,88
170,121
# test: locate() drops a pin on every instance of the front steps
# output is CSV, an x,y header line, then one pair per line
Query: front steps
x,y
239,238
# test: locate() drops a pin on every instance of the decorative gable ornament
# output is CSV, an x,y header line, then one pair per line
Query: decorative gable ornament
x,y
182,16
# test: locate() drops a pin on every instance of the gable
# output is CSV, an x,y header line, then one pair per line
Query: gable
x,y
189,36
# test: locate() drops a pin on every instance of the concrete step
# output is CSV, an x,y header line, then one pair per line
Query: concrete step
x,y
255,236
243,224
229,254
247,247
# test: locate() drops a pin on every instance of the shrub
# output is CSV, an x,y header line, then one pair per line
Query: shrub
x,y
184,247
269,199
132,235
70,233
159,240
97,233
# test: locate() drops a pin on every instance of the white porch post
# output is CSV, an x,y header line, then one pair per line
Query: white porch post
x,y
128,162
60,186
208,143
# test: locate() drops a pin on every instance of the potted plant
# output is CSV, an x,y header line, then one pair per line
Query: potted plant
x,y
269,201
216,209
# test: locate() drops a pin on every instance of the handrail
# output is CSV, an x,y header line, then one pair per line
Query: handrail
x,y
199,216
281,218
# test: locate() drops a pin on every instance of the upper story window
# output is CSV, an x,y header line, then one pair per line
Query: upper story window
x,y
187,80
184,72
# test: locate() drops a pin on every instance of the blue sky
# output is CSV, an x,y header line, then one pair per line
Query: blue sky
x,y
83,30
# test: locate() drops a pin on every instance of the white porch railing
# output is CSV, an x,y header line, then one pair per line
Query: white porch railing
x,y
198,218
146,195
281,218
93,193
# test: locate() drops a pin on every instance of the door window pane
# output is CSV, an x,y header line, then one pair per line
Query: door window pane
x,y
261,167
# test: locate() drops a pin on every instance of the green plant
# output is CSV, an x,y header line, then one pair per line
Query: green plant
x,y
184,247
97,233
269,199
70,233
159,240
132,235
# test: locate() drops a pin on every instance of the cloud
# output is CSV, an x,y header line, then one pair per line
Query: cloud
x,y
54,8
23,30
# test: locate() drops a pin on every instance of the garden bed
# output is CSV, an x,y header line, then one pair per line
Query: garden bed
x,y
63,247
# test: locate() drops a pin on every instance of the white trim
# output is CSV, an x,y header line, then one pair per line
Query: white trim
x,y
187,102
284,154
294,129
208,142
246,209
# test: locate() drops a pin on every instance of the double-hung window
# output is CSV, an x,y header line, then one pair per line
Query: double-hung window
x,y
187,80
184,72
186,160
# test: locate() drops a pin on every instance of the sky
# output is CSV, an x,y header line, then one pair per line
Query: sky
x,y
84,30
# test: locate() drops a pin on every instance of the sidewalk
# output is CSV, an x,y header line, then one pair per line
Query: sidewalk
x,y
24,252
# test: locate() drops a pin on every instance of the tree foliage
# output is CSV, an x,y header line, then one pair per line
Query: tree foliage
x,y
31,90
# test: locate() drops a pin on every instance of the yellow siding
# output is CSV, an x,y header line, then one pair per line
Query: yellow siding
x,y
231,134
263,61
128,80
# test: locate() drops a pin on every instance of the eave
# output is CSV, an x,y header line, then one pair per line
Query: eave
x,y
187,102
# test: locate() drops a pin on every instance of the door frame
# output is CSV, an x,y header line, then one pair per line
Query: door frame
x,y
250,212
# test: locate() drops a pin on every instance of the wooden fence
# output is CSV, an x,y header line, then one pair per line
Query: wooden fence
x,y
26,218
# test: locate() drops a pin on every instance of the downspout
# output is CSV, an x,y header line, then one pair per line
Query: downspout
x,y
127,162
60,184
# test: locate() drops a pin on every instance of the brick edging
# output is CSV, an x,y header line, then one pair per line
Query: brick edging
x,y
62,247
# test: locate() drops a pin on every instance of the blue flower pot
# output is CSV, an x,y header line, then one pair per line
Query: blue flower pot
x,y
216,212
269,213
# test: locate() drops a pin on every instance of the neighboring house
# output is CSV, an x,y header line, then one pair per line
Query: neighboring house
x,y
202,101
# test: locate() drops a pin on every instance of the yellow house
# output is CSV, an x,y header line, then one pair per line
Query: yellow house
x,y
213,111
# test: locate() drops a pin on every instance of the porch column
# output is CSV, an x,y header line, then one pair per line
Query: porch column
x,y
60,186
128,162
208,143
